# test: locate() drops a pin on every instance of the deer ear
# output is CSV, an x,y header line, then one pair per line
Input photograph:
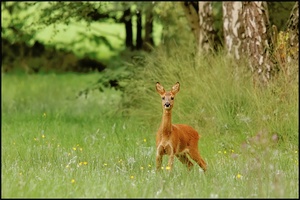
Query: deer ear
x,y
159,88
175,88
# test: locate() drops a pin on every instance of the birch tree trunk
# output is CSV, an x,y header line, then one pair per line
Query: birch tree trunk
x,y
256,21
200,18
245,32
206,30
233,28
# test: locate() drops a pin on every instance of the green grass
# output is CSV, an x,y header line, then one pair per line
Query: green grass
x,y
57,145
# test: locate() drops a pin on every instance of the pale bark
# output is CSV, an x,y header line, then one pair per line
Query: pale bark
x,y
206,30
200,18
245,32
255,20
233,28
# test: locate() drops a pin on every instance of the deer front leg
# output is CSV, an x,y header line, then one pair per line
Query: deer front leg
x,y
159,154
171,160
158,162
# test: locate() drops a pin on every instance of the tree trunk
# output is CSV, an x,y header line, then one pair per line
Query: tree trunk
x,y
245,31
139,40
255,19
128,28
148,40
206,30
191,12
233,28
200,18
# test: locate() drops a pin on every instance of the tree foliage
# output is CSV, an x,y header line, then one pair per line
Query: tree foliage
x,y
22,21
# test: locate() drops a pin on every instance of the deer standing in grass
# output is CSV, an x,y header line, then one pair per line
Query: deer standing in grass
x,y
178,140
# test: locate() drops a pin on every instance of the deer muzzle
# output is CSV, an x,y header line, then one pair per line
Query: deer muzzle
x,y
167,105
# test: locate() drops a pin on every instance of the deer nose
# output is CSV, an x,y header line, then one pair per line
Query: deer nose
x,y
167,104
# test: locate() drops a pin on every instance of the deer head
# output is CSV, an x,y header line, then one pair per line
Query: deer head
x,y
167,97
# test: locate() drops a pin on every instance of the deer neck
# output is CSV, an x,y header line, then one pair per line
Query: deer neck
x,y
166,123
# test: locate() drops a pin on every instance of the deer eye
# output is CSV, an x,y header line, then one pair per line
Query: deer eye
x,y
172,98
163,98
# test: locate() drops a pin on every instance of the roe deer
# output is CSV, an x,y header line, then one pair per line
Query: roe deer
x,y
178,140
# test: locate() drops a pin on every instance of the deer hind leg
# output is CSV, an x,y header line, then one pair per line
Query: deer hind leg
x,y
185,160
195,155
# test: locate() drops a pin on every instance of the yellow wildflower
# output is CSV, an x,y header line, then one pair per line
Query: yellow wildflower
x,y
239,176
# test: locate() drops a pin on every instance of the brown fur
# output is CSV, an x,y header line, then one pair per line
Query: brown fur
x,y
178,140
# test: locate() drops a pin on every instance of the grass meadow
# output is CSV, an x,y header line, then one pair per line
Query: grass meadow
x,y
56,144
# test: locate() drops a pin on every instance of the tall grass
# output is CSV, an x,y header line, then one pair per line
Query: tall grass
x,y
258,126
217,96
57,145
